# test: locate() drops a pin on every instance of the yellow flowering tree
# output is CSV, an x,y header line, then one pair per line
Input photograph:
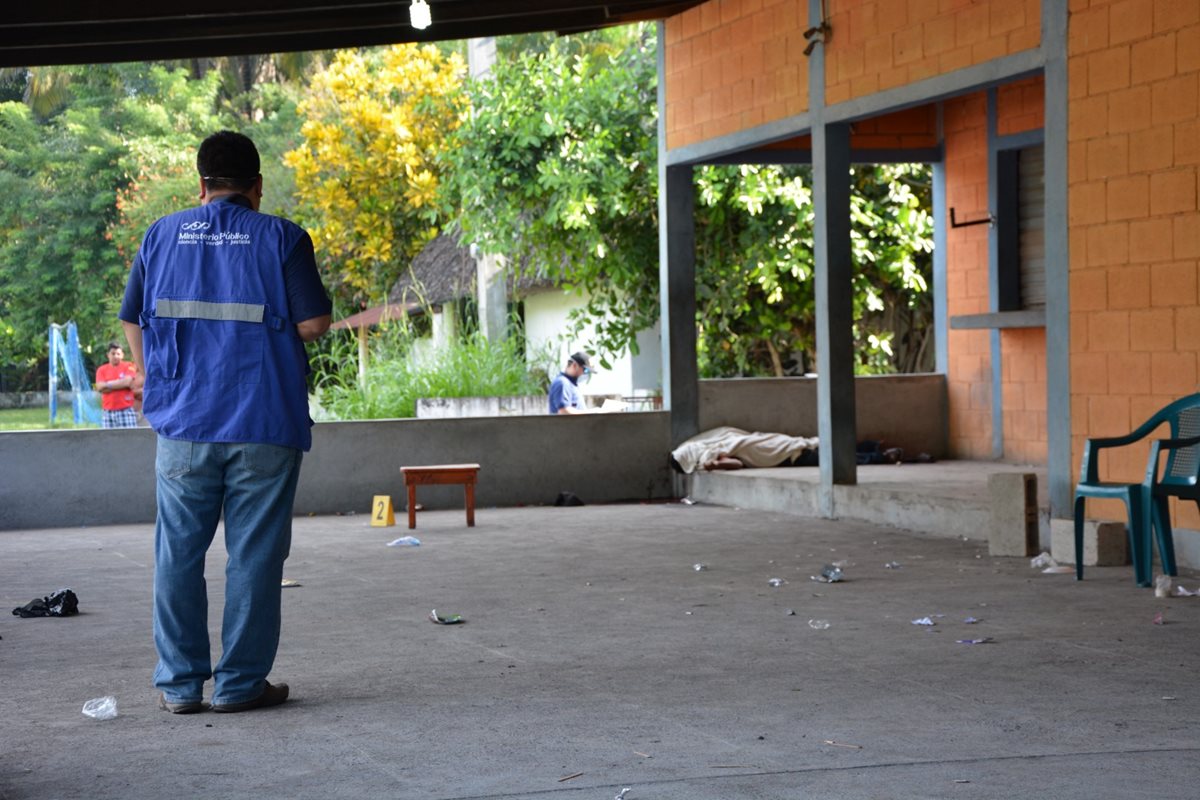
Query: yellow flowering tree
x,y
367,173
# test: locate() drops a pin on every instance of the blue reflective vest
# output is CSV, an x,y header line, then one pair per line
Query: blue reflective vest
x,y
223,361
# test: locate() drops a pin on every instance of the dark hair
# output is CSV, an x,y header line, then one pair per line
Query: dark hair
x,y
113,346
228,160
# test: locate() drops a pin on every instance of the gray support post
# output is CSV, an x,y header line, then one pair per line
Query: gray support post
x,y
492,296
996,351
835,308
677,276
490,271
941,313
1059,469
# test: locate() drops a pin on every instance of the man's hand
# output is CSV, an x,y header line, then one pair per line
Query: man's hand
x,y
312,329
133,335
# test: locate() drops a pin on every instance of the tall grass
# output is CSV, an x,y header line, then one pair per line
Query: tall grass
x,y
403,368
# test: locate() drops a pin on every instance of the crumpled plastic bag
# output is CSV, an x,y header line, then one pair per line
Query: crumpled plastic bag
x,y
101,708
1042,561
62,603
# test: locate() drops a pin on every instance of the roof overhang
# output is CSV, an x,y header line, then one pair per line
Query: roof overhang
x,y
377,314
91,32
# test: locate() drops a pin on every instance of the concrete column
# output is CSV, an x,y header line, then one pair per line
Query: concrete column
x,y
364,354
493,296
1061,470
676,277
489,269
677,280
481,54
835,308
444,325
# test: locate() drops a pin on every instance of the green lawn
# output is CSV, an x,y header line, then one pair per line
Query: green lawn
x,y
36,419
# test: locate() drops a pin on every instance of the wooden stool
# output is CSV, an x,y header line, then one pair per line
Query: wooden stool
x,y
466,474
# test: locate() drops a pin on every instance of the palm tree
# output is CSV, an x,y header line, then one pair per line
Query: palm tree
x,y
46,90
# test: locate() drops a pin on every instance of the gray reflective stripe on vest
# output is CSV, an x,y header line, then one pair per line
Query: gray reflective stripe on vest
x,y
201,309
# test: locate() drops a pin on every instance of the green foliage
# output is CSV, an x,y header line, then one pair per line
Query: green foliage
x,y
111,150
755,269
165,110
554,167
555,170
59,180
754,273
891,237
374,124
404,368
163,121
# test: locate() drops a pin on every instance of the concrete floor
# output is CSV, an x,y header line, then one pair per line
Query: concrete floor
x,y
593,647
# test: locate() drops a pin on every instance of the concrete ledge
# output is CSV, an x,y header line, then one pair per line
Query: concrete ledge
x,y
796,491
762,493
920,513
69,478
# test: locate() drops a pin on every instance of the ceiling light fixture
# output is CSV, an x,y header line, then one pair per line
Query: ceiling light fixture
x,y
419,16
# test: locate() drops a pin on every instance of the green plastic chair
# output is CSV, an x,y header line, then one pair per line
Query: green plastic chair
x,y
1147,502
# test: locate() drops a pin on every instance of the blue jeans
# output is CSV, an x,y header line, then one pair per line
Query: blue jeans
x,y
255,484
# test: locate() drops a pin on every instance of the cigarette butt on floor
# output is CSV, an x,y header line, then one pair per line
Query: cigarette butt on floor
x,y
841,744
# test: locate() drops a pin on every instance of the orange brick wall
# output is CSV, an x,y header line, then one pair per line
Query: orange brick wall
x,y
1023,371
734,64
1134,148
1022,351
913,127
881,44
969,376
1021,106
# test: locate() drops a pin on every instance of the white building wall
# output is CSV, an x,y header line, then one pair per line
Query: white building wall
x,y
547,320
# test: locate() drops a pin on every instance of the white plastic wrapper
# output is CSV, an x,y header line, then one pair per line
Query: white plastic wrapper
x,y
1042,561
101,708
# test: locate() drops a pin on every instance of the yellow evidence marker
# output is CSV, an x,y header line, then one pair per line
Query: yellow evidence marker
x,y
382,513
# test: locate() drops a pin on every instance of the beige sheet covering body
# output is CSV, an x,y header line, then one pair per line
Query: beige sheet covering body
x,y
753,449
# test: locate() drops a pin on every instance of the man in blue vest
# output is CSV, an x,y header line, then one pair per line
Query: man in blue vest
x,y
219,304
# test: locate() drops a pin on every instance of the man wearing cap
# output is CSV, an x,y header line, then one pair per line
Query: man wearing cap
x,y
564,390
222,299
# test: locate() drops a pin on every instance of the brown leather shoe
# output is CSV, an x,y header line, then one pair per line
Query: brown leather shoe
x,y
271,696
193,707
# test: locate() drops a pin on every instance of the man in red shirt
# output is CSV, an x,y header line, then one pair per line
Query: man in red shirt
x,y
114,381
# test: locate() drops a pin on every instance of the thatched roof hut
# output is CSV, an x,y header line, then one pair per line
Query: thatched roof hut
x,y
444,271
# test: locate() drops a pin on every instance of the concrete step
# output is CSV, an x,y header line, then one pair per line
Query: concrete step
x,y
898,507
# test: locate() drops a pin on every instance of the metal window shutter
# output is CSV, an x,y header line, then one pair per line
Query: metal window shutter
x,y
1032,226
